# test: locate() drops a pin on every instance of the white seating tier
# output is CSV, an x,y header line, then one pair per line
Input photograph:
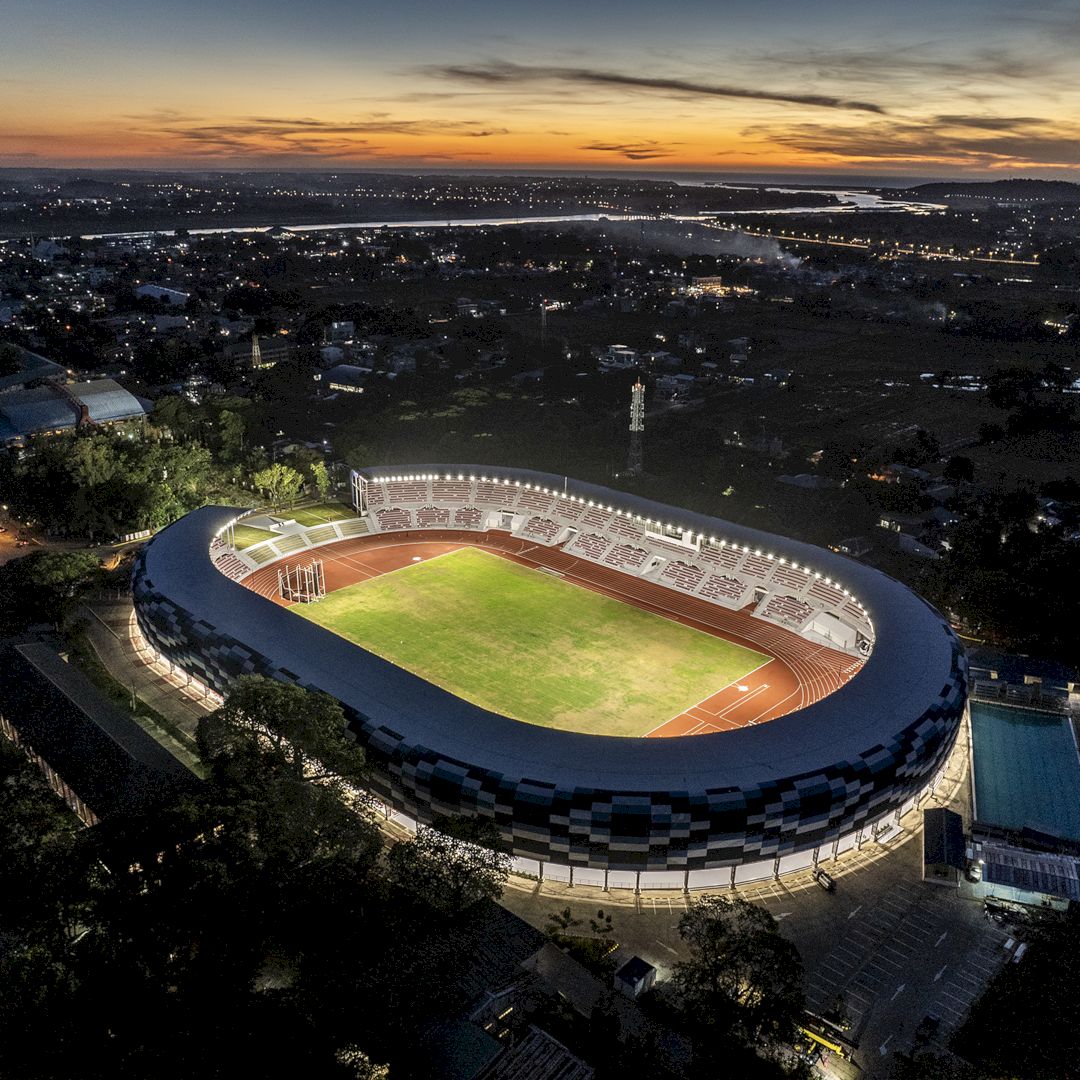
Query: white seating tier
x,y
721,573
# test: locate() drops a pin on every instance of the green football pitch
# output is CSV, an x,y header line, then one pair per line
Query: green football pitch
x,y
529,645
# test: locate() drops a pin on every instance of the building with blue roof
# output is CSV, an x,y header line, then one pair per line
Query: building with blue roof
x,y
53,408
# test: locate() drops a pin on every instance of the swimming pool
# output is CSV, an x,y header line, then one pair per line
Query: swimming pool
x,y
1027,771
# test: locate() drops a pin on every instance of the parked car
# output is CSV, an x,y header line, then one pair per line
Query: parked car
x,y
823,879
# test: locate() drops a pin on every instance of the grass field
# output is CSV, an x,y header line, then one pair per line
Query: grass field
x,y
245,536
529,645
319,514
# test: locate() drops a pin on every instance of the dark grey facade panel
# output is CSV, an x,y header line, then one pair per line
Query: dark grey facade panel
x,y
694,802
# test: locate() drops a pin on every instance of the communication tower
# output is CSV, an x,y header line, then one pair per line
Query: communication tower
x,y
637,429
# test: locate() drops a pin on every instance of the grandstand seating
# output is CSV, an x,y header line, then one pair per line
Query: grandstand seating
x,y
626,557
354,527
757,566
496,494
718,586
831,594
714,572
596,517
262,553
621,527
451,491
787,610
468,517
321,533
790,578
535,500
231,566
682,575
432,515
543,529
393,519
571,511
399,491
726,557
591,545
290,542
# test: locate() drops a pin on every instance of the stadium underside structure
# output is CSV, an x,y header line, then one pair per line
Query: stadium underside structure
x,y
685,811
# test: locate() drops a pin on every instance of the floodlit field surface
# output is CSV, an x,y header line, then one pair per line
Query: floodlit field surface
x,y
528,645
245,536
319,514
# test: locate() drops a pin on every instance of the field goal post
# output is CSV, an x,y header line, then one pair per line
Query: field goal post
x,y
302,584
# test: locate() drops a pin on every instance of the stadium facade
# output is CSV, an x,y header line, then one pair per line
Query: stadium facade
x,y
689,811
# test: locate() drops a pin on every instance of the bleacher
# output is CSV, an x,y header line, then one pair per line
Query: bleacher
x,y
830,594
393,519
534,500
571,511
400,491
596,517
231,566
432,515
718,586
487,491
468,517
682,575
621,527
726,557
451,491
262,553
787,610
543,529
757,566
790,578
289,543
626,557
590,545
715,571
321,534
353,527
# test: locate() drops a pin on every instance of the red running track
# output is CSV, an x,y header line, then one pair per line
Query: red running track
x,y
799,672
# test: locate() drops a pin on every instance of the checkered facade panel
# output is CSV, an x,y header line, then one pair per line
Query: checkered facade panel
x,y
599,827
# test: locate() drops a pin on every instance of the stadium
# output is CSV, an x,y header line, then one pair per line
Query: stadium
x,y
635,695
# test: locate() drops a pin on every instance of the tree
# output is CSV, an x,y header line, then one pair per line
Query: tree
x,y
601,924
959,468
320,478
561,922
281,483
742,977
446,874
360,1066
291,731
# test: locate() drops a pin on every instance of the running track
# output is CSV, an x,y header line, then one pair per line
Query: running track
x,y
799,673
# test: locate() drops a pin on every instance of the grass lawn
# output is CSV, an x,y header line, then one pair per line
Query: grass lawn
x,y
245,536
529,645
320,514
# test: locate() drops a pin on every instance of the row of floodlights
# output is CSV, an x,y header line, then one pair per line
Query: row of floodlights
x,y
423,477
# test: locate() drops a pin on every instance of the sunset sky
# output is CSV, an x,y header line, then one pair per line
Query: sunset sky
x,y
943,88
